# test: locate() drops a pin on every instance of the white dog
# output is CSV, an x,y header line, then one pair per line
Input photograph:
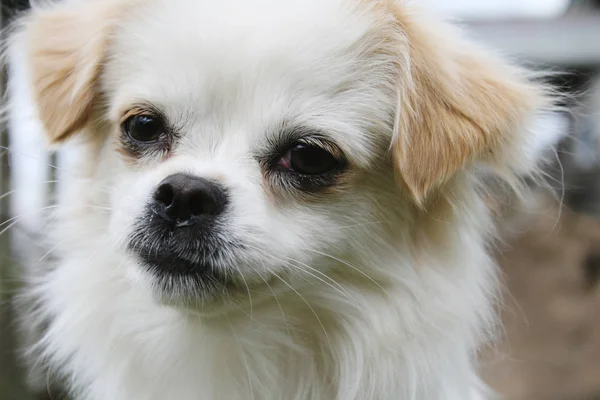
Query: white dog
x,y
267,199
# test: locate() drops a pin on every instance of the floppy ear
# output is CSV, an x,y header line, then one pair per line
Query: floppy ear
x,y
457,105
65,45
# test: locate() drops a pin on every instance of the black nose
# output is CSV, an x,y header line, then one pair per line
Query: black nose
x,y
186,200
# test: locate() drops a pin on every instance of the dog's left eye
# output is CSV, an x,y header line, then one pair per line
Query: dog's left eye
x,y
308,160
144,128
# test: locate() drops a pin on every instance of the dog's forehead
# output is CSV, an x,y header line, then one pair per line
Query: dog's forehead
x,y
250,28
206,45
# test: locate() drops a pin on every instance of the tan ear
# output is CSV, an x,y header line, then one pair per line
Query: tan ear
x,y
457,105
65,45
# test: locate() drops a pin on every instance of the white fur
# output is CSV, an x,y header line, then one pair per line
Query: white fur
x,y
355,311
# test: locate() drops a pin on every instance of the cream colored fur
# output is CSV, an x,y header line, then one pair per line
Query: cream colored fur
x,y
379,288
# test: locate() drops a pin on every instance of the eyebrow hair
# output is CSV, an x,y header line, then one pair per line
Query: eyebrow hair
x,y
140,108
286,134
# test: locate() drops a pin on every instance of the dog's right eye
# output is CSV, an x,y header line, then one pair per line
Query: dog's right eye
x,y
144,128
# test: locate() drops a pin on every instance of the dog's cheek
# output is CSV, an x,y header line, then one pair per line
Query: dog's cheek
x,y
129,199
268,235
315,234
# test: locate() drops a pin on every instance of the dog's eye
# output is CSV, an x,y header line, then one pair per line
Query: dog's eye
x,y
144,128
308,160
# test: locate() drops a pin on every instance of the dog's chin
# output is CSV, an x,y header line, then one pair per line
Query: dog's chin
x,y
202,288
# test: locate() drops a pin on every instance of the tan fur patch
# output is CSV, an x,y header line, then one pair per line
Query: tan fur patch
x,y
456,104
67,46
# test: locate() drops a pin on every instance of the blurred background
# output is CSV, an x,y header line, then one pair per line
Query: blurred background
x,y
550,252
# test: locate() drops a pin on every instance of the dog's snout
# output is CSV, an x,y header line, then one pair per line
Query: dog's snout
x,y
185,199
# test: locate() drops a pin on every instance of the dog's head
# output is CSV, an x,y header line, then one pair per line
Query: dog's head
x,y
247,144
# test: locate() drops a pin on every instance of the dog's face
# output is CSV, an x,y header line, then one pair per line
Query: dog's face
x,y
256,145
244,161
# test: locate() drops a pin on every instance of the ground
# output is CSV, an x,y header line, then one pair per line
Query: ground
x,y
551,268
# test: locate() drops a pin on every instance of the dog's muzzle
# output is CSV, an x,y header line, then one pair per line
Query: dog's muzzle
x,y
180,239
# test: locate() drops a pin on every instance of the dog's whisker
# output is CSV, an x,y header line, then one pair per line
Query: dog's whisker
x,y
334,285
7,194
285,321
245,361
99,207
64,242
311,308
357,225
264,252
350,266
21,154
27,214
18,218
235,305
241,275
14,191
98,247
233,376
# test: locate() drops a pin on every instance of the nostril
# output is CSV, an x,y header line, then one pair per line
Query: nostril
x,y
204,203
164,194
197,204
186,200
